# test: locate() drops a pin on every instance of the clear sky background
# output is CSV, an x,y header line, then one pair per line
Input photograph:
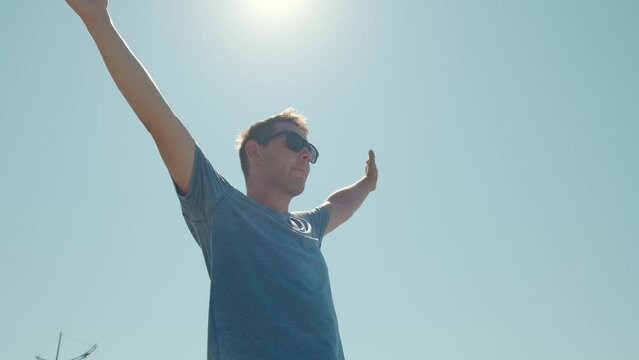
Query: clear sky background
x,y
506,220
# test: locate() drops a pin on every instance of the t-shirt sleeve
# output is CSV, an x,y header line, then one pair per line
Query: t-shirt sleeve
x,y
318,218
206,189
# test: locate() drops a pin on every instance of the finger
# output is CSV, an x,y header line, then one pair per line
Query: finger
x,y
371,158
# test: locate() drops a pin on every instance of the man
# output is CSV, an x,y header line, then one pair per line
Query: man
x,y
270,294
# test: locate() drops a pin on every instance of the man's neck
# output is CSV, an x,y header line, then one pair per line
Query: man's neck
x,y
268,197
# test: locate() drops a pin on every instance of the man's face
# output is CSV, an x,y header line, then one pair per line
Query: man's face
x,y
286,170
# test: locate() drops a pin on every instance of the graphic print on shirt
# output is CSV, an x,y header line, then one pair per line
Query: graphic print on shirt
x,y
300,225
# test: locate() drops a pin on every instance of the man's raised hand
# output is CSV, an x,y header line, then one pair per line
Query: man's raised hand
x,y
370,176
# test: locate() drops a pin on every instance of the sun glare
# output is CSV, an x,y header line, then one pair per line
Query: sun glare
x,y
273,7
276,9
269,37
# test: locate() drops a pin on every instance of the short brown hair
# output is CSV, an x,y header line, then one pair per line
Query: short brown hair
x,y
265,127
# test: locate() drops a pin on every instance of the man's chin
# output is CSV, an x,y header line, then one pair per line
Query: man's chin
x,y
296,190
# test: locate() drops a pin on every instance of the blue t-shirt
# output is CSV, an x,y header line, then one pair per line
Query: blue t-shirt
x,y
270,295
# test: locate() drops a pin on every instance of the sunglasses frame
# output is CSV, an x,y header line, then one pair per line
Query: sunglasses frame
x,y
290,134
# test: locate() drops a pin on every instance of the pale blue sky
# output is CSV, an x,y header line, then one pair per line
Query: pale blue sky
x,y
506,220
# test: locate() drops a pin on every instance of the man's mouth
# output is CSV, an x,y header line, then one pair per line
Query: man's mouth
x,y
300,170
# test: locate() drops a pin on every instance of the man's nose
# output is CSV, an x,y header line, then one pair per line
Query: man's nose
x,y
306,154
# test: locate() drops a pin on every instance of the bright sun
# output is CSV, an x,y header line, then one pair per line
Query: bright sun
x,y
276,9
273,7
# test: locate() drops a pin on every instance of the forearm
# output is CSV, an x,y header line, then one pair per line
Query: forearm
x,y
351,197
129,75
343,203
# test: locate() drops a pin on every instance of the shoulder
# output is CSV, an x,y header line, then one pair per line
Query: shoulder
x,y
317,219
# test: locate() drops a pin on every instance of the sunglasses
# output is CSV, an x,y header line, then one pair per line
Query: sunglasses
x,y
294,142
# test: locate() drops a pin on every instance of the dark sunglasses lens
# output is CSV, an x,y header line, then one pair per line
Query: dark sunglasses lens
x,y
314,153
297,143
294,141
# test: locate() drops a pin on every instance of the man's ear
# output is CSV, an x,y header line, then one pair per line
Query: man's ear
x,y
253,150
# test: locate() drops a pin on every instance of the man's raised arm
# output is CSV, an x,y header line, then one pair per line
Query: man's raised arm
x,y
343,203
174,142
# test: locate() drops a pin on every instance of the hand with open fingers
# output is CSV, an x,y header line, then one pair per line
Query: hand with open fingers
x,y
371,171
88,9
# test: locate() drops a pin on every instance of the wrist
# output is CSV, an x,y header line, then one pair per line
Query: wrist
x,y
97,19
367,184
